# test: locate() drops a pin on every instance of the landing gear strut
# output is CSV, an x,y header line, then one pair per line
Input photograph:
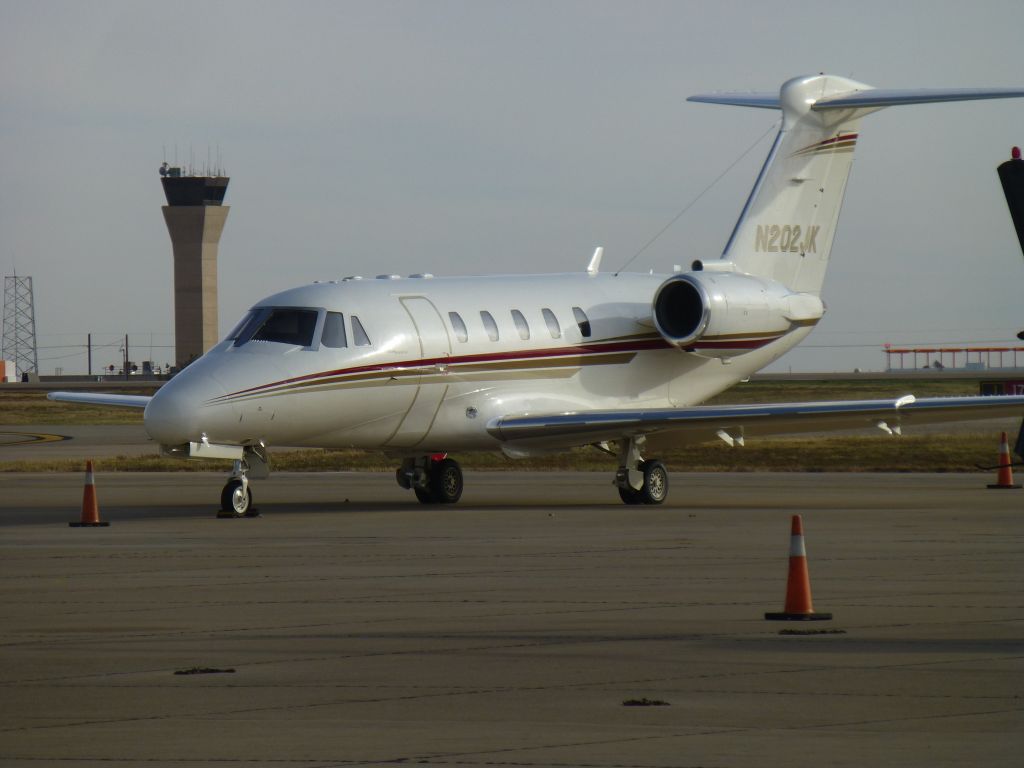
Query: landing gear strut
x,y
640,481
434,479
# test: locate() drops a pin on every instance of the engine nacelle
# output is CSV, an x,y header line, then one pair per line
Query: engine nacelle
x,y
723,314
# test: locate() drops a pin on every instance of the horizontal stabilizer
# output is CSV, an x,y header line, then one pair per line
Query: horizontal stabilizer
x,y
879,97
864,99
762,100
97,398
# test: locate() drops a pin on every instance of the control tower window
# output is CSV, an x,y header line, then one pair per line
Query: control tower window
x,y
358,334
333,335
288,326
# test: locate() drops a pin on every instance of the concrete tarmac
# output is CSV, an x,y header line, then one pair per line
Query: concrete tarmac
x,y
360,628
80,441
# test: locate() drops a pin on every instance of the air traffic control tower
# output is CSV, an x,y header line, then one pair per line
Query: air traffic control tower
x,y
195,216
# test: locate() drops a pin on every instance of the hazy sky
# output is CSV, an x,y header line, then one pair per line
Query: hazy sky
x,y
475,137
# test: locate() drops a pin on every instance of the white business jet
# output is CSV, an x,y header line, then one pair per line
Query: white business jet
x,y
532,364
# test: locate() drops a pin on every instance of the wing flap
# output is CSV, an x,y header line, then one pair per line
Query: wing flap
x,y
699,423
97,398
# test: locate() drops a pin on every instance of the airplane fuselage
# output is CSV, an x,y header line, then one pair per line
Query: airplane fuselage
x,y
424,364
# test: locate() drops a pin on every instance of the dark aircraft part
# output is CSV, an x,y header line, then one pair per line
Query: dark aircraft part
x,y
681,311
1011,174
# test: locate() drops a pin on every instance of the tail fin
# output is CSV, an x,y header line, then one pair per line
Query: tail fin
x,y
786,228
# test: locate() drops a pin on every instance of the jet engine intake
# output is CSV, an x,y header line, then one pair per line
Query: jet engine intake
x,y
722,314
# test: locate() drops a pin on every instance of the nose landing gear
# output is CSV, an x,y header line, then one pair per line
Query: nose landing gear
x,y
236,498
435,479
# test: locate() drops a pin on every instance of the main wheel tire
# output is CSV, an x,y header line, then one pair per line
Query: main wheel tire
x,y
424,495
446,481
629,496
234,500
655,488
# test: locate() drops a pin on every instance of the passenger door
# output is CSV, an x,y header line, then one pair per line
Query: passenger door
x,y
435,346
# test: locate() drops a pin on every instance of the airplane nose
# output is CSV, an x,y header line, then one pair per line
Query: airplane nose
x,y
171,416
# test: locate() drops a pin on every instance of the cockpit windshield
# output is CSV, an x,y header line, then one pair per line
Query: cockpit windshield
x,y
243,329
285,325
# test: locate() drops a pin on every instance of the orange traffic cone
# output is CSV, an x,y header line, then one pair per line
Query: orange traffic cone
x,y
90,507
798,586
1004,475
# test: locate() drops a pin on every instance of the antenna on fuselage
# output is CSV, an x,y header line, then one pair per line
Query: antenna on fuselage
x,y
595,261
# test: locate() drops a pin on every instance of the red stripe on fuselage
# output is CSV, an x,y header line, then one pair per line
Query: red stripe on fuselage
x,y
533,354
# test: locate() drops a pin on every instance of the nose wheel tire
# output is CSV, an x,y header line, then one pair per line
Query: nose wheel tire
x,y
236,498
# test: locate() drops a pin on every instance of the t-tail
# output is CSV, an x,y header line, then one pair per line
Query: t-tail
x,y
787,226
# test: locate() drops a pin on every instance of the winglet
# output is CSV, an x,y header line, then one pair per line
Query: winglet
x,y
595,261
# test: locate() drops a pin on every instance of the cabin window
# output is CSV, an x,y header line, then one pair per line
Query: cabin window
x,y
521,325
458,326
552,322
489,325
287,325
333,335
582,321
359,336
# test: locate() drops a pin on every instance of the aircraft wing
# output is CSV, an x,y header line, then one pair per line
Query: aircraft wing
x,y
699,423
96,398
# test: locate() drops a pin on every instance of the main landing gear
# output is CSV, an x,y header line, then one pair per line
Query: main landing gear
x,y
435,479
640,481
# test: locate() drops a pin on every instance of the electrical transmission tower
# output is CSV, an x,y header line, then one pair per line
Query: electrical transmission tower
x,y
19,344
